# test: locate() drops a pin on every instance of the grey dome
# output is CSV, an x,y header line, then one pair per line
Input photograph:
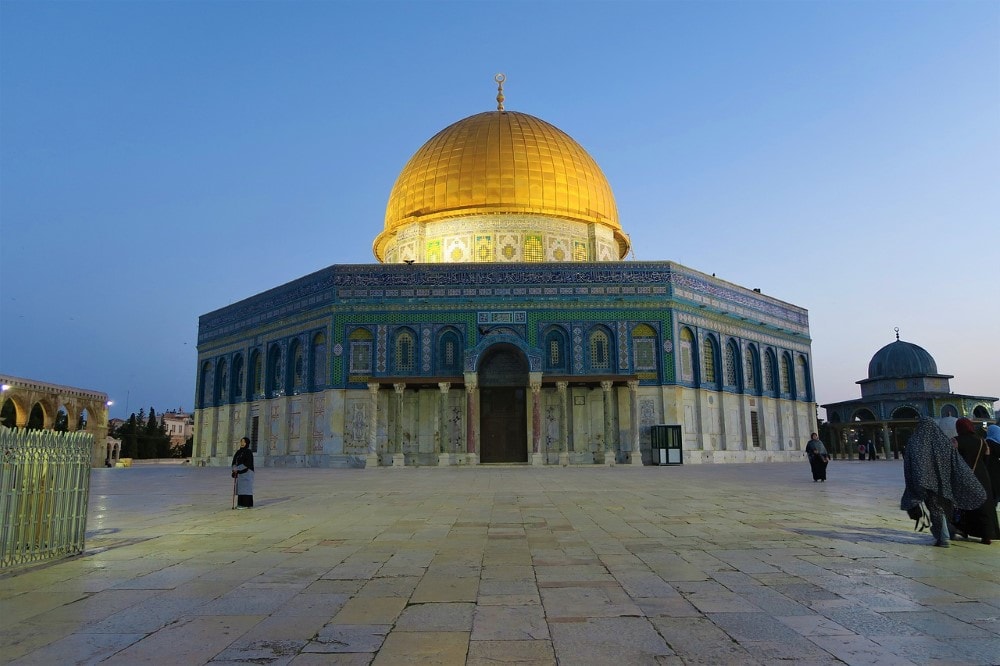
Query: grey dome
x,y
901,359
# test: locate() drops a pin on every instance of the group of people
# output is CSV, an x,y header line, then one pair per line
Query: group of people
x,y
950,470
955,474
866,448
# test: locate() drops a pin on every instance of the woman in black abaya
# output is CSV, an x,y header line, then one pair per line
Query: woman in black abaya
x,y
243,473
981,521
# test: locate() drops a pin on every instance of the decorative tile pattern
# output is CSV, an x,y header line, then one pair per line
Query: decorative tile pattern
x,y
623,336
425,347
578,349
381,346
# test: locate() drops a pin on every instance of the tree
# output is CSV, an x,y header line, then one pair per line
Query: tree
x,y
144,436
128,433
61,423
164,448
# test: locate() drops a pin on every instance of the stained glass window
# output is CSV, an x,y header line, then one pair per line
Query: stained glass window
x,y
319,359
600,358
729,364
258,373
361,357
687,355
404,352
708,361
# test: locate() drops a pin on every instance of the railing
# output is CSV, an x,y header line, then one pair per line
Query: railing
x,y
44,488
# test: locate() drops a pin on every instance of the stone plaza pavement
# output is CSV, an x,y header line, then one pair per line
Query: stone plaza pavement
x,y
694,564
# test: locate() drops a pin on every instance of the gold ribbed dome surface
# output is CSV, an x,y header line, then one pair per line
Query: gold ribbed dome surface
x,y
499,162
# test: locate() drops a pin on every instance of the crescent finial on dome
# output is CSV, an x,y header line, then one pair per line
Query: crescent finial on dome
x,y
500,78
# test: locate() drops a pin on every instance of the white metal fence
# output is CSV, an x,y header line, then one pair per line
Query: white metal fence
x,y
44,487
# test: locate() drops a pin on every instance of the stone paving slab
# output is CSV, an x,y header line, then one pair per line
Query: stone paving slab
x,y
696,564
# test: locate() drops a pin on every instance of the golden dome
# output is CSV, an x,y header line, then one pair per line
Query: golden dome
x,y
500,162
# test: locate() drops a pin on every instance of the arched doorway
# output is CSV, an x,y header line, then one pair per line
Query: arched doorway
x,y
503,379
8,414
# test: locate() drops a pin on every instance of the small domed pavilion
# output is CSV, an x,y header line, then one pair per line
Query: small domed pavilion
x,y
903,384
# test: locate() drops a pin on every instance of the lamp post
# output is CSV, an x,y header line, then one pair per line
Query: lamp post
x,y
3,389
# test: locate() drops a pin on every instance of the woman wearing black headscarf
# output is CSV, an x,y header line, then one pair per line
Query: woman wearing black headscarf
x,y
937,476
981,521
243,473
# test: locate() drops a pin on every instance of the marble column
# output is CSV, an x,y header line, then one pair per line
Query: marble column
x,y
887,443
535,383
633,405
445,454
398,458
372,459
609,451
471,418
561,389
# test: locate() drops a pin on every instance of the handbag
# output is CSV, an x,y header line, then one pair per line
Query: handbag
x,y
920,515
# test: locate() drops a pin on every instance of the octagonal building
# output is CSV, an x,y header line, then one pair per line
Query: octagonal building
x,y
503,324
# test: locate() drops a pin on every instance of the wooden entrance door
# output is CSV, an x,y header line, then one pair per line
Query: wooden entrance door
x,y
503,423
503,434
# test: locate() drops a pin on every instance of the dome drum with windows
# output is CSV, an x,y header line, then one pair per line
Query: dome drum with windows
x,y
501,186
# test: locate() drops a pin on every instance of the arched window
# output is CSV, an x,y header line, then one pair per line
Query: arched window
x,y
600,349
949,410
801,378
274,371
644,348
863,415
449,353
236,391
786,381
361,351
750,375
221,382
207,382
319,360
298,367
687,355
36,418
256,374
729,365
555,350
980,412
769,371
708,375
404,352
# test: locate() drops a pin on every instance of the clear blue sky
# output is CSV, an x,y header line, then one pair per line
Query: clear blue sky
x,y
159,160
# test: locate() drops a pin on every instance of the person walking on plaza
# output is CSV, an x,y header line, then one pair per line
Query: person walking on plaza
x,y
937,476
818,457
243,473
981,521
993,461
872,453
